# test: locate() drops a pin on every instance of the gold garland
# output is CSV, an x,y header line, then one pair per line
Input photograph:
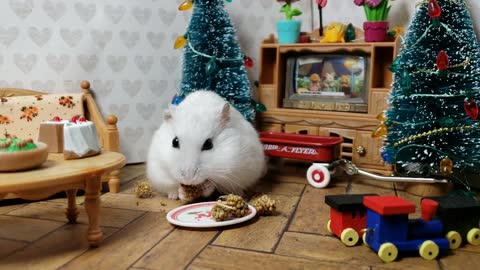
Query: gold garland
x,y
465,63
431,132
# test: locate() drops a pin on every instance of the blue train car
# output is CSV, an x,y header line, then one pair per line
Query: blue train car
x,y
390,231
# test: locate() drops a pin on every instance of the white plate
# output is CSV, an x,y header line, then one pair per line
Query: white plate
x,y
199,215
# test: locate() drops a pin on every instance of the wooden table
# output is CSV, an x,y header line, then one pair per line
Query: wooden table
x,y
57,175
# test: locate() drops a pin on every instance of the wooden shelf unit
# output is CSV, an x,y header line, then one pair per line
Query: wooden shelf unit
x,y
355,128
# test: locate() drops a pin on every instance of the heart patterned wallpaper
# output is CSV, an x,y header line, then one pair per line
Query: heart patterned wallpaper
x,y
125,49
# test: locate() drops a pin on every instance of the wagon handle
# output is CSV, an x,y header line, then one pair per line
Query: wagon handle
x,y
351,169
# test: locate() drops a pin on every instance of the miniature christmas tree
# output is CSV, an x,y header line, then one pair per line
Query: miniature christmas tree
x,y
212,56
432,127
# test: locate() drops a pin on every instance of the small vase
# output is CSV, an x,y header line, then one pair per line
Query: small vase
x,y
375,31
288,31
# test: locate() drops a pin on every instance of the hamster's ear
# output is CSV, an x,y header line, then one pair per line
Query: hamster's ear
x,y
168,113
225,115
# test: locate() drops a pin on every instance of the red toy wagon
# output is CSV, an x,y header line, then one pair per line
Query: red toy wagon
x,y
324,152
304,147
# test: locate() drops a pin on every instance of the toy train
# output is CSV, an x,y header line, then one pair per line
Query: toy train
x,y
385,227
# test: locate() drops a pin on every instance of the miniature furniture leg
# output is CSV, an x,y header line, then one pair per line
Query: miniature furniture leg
x,y
92,207
71,212
114,181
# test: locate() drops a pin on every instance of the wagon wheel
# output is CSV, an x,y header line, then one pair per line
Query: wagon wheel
x,y
388,252
429,250
318,176
473,236
329,226
349,237
454,239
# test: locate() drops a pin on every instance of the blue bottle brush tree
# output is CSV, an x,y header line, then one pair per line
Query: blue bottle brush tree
x,y
212,57
431,128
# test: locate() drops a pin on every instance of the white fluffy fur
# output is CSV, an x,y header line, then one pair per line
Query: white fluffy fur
x,y
234,164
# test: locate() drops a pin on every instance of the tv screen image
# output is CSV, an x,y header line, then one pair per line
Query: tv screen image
x,y
327,82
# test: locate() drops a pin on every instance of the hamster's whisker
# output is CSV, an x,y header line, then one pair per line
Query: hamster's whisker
x,y
229,184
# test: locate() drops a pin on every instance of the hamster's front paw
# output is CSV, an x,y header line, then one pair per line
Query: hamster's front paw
x,y
182,195
173,195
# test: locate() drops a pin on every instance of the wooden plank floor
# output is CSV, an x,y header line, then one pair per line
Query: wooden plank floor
x,y
34,235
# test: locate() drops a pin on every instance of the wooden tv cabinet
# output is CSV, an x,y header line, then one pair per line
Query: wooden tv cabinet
x,y
355,128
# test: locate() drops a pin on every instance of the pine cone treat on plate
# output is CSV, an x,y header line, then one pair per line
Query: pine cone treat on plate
x,y
228,207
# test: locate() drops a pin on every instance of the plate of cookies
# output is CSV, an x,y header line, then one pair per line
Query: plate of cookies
x,y
227,210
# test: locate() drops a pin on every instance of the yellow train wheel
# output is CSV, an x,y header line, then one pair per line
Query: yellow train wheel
x,y
454,239
473,236
349,237
429,250
329,228
388,252
364,238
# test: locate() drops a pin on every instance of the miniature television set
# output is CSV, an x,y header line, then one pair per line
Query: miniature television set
x,y
327,82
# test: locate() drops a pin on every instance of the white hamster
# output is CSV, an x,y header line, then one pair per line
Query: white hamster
x,y
204,141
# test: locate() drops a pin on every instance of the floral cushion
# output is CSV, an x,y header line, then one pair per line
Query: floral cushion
x,y
21,115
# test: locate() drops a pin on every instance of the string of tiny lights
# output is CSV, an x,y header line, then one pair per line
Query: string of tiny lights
x,y
434,11
211,66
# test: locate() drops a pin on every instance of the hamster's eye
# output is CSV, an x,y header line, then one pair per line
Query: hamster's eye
x,y
175,143
207,145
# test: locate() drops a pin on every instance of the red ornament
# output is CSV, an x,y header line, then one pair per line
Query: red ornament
x,y
471,108
434,10
82,119
248,62
442,61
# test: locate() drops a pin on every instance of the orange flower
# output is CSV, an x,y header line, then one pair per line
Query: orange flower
x,y
4,120
29,113
66,101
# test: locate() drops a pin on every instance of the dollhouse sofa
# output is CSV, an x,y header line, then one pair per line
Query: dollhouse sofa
x,y
22,111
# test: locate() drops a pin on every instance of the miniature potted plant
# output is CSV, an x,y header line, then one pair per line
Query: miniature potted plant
x,y
376,25
289,29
